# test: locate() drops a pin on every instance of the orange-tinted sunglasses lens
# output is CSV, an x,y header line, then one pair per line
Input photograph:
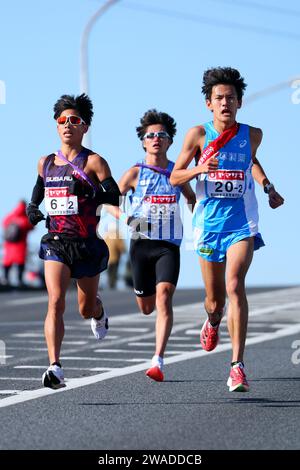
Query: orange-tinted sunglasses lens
x,y
74,120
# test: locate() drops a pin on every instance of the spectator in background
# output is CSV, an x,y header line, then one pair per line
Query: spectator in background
x,y
15,230
116,247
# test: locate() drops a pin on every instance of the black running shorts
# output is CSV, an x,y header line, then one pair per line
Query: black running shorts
x,y
86,257
153,261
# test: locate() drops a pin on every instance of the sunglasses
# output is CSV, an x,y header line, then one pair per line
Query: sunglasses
x,y
72,119
160,135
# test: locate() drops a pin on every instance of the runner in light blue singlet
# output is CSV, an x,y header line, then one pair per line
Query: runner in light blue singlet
x,y
156,200
225,217
156,228
226,210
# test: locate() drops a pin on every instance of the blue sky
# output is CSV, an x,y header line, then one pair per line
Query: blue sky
x,y
152,53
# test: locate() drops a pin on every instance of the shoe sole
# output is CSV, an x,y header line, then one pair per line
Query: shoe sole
x,y
203,347
52,381
237,388
155,373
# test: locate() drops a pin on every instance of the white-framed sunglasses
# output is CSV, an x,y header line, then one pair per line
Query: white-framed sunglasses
x,y
72,119
159,134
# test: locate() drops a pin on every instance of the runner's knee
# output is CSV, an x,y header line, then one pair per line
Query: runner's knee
x,y
56,305
164,297
235,287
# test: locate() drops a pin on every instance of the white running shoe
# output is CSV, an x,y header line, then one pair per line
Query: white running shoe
x,y
53,377
100,327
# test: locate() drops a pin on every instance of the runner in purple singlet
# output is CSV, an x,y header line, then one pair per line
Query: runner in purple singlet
x,y
73,181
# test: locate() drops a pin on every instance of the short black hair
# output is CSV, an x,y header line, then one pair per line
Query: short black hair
x,y
223,76
152,117
81,103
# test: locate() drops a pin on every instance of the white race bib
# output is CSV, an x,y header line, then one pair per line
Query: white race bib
x,y
58,201
225,183
159,206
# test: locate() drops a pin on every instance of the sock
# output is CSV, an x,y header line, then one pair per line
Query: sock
x,y
240,363
56,364
157,361
215,323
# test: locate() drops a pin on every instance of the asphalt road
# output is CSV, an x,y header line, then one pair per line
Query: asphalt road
x,y
110,404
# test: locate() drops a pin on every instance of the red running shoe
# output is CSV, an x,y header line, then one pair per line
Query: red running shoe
x,y
209,336
237,381
155,374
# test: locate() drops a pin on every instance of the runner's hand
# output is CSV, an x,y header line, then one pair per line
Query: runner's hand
x,y
211,164
275,200
138,224
34,214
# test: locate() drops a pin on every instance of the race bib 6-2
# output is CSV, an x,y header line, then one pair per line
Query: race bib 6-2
x,y
58,201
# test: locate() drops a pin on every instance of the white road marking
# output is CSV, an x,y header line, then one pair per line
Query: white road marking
x,y
41,335
66,368
130,330
103,359
24,348
273,309
278,305
149,343
180,338
84,381
40,341
27,300
143,351
193,331
20,378
28,335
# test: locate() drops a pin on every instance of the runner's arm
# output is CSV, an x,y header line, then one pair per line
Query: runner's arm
x,y
32,210
127,182
38,191
258,173
191,146
189,195
108,192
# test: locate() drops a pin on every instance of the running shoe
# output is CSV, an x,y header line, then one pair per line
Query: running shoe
x,y
237,381
100,326
155,371
209,336
53,378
